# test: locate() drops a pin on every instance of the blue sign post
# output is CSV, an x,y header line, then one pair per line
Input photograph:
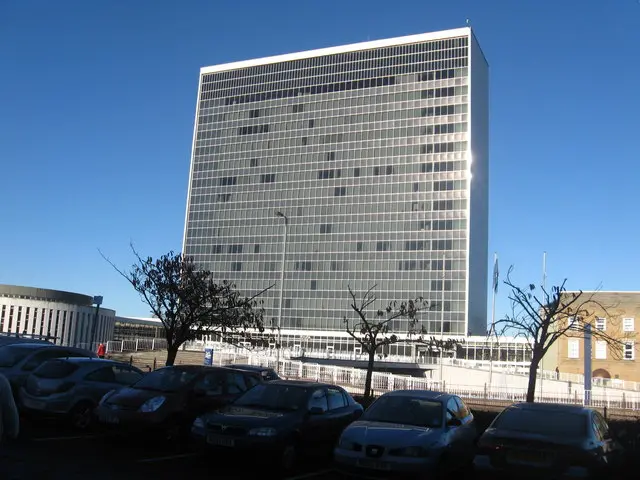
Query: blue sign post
x,y
208,356
587,364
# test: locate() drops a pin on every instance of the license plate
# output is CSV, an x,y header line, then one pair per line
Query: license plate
x,y
220,441
528,458
112,419
373,464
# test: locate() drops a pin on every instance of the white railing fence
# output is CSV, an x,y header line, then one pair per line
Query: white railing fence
x,y
353,380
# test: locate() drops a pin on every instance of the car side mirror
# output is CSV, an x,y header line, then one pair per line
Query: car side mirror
x,y
454,422
316,411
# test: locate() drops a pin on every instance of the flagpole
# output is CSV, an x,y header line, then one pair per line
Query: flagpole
x,y
544,283
493,318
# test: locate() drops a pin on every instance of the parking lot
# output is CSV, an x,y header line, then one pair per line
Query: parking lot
x,y
46,450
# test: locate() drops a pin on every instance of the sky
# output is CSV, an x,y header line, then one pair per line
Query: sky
x,y
97,104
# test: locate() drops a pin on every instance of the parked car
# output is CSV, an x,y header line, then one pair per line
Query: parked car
x,y
549,440
73,387
280,419
415,432
168,400
267,374
17,361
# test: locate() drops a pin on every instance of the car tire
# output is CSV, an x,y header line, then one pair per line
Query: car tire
x,y
81,416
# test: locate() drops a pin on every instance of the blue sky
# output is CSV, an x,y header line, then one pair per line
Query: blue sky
x,y
97,101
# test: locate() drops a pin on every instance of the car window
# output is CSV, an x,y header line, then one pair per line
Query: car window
x,y
104,374
600,426
318,400
463,411
212,383
235,383
544,422
11,355
453,409
405,410
47,354
269,375
125,375
55,369
335,399
251,380
167,379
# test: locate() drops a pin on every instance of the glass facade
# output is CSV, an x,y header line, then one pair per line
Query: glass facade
x,y
368,151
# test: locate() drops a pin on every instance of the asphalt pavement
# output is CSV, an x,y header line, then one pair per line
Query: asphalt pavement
x,y
48,451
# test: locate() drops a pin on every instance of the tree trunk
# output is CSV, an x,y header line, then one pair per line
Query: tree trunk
x,y
367,381
533,373
172,352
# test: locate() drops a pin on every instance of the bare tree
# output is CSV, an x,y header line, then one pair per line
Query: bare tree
x,y
189,302
373,332
543,316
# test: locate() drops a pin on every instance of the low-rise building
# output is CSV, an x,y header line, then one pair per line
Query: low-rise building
x,y
615,314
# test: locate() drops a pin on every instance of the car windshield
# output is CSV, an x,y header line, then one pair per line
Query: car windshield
x,y
10,355
166,380
274,397
549,423
405,410
55,369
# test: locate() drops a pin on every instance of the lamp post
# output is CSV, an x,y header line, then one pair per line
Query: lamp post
x,y
444,257
282,266
97,301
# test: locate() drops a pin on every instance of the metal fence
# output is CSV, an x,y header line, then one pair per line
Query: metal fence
x,y
354,379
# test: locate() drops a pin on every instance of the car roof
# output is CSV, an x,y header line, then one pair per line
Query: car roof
x,y
253,368
31,345
192,368
550,407
89,360
301,383
425,394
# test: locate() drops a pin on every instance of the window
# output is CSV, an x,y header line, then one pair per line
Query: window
x,y
318,400
573,323
573,350
211,383
601,324
235,383
336,399
126,375
601,350
628,324
102,375
453,409
629,351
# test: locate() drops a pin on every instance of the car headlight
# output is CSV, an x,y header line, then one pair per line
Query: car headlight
x,y
105,396
152,404
198,423
263,432
409,452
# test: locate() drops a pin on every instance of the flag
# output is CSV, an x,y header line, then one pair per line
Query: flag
x,y
496,274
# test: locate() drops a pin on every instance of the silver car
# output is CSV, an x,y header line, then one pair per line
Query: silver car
x,y
73,387
413,432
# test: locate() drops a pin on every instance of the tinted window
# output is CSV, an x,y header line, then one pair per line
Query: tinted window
x,y
269,375
453,409
167,380
319,400
48,354
104,374
126,375
251,381
274,397
235,383
212,383
11,355
552,423
463,411
405,411
55,369
336,399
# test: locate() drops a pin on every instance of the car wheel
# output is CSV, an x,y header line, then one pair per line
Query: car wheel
x,y
289,457
82,416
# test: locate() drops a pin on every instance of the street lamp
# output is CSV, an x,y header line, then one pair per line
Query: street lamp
x,y
97,301
444,257
282,266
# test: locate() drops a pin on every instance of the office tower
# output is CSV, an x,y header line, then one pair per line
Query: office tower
x,y
376,156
